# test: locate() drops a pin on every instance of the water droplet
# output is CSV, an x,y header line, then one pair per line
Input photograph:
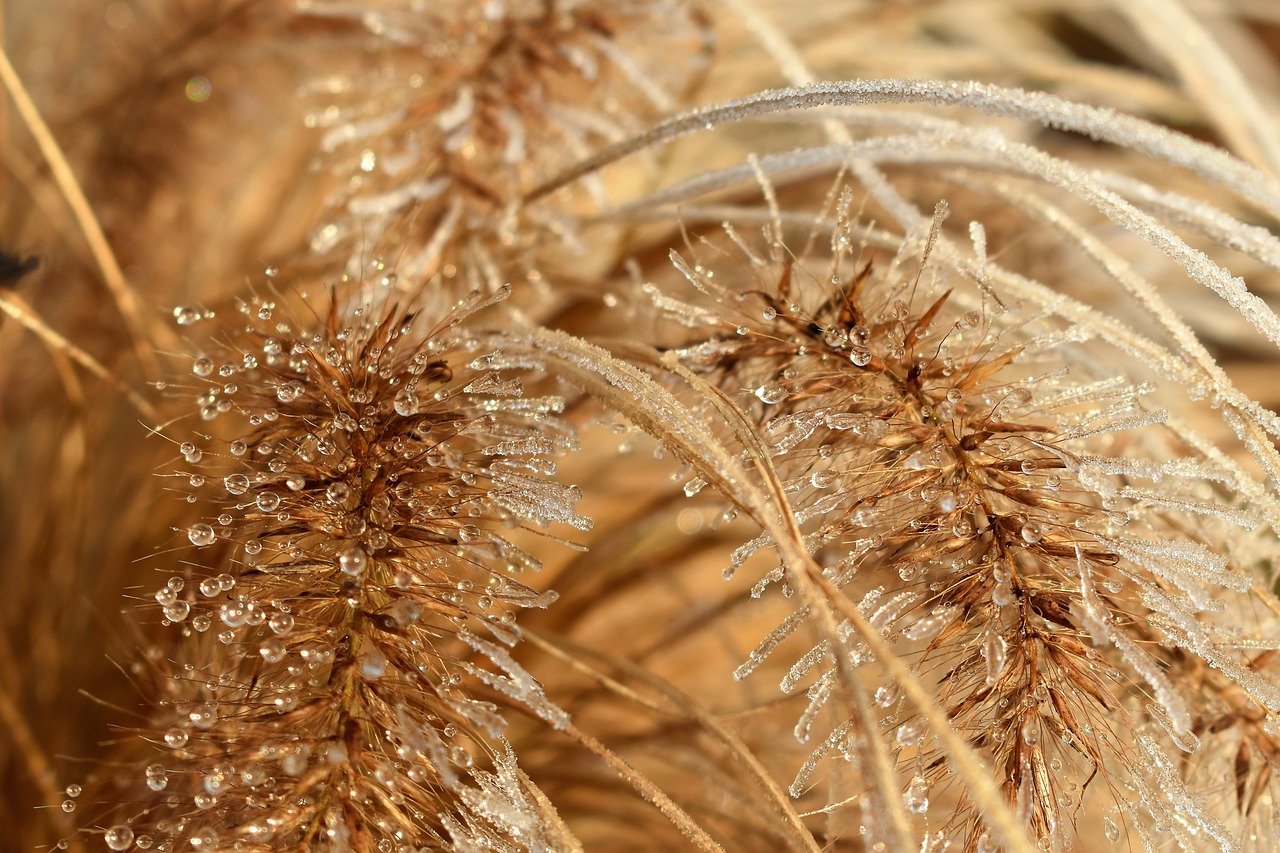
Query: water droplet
x,y
190,452
185,316
910,733
406,403
1031,533
68,806
887,694
995,650
337,493
468,533
268,501
271,272
281,623
203,716
353,560
202,367
1031,731
157,778
177,611
773,392
176,738
373,664
916,798
1111,828
236,484
289,391
201,535
272,650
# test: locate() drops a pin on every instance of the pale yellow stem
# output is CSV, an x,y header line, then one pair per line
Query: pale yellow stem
x,y
108,265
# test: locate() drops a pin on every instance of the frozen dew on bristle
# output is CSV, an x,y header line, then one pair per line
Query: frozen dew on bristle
x,y
201,534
